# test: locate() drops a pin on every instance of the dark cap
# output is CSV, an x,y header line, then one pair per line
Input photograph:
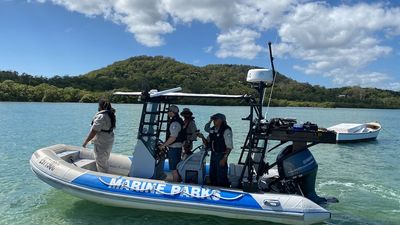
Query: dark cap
x,y
186,111
173,108
218,116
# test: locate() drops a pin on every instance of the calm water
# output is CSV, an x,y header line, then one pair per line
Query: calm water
x,y
364,177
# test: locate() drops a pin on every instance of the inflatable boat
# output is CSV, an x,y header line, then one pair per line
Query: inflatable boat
x,y
72,169
261,188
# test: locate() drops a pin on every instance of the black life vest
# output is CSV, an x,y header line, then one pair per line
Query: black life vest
x,y
217,140
109,130
182,133
185,129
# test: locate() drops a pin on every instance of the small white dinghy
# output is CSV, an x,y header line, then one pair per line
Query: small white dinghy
x,y
353,132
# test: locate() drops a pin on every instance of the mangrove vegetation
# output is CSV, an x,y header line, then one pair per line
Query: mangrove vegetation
x,y
145,73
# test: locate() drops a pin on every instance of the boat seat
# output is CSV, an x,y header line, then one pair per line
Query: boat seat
x,y
234,173
235,170
89,164
192,169
68,154
86,154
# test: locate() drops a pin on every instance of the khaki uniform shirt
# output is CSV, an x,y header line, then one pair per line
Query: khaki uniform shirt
x,y
102,121
191,131
174,130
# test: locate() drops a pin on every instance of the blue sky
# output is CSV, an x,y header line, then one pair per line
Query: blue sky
x,y
332,43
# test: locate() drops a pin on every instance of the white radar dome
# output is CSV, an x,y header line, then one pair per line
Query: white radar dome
x,y
260,75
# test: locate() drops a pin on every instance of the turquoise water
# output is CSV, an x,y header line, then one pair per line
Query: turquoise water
x,y
364,176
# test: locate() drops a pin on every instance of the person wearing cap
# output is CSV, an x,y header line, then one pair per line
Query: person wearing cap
x,y
190,129
220,142
174,140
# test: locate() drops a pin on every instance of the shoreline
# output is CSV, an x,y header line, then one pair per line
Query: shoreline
x,y
224,105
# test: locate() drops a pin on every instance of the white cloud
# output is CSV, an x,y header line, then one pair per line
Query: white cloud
x,y
373,79
149,20
264,14
87,7
393,86
335,41
146,20
221,12
339,42
238,43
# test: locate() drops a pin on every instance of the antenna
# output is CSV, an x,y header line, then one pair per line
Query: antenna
x,y
271,59
273,78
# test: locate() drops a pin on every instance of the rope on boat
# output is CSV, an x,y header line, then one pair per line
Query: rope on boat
x,y
270,97
182,191
390,133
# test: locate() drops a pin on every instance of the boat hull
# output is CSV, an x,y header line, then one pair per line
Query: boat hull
x,y
355,137
349,132
159,195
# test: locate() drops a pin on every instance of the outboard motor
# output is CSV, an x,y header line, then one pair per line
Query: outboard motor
x,y
299,169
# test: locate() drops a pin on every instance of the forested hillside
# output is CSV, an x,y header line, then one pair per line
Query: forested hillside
x,y
144,73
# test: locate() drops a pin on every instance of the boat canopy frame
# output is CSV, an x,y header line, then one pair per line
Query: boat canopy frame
x,y
261,130
154,120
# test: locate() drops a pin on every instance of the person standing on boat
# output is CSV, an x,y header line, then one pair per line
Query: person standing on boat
x,y
220,142
102,134
190,130
174,140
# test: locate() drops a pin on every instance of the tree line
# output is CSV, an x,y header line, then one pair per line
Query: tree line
x,y
145,73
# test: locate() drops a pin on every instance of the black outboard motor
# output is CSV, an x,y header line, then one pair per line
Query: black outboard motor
x,y
298,169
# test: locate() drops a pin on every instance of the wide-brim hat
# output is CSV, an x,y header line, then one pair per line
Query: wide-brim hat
x,y
186,111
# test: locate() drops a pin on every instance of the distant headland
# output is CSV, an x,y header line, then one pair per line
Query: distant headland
x,y
145,73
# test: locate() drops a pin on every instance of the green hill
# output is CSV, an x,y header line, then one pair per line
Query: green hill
x,y
144,73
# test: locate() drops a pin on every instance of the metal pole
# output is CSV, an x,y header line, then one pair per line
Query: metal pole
x,y
271,60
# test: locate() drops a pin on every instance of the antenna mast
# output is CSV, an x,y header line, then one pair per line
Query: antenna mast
x,y
273,78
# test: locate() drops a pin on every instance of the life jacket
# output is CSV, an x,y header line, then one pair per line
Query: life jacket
x,y
185,129
217,140
182,133
104,112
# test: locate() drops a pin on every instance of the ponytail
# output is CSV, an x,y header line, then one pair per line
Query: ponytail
x,y
106,105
